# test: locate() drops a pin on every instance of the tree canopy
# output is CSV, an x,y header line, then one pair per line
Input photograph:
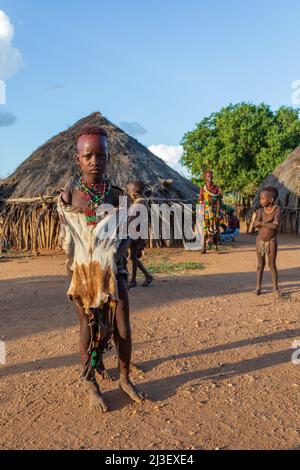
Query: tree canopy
x,y
242,144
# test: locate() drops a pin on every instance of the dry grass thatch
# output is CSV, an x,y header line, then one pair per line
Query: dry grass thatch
x,y
286,178
52,164
28,216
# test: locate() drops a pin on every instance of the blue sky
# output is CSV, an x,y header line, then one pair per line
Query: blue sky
x,y
163,65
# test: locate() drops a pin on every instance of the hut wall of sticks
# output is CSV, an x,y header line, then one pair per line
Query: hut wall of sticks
x,y
286,178
28,215
29,224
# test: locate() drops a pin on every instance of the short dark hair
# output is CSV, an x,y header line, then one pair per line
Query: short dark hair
x,y
91,130
137,185
272,190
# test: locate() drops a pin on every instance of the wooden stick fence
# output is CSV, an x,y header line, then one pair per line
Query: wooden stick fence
x,y
32,224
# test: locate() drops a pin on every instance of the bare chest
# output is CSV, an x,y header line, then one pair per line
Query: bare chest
x,y
81,201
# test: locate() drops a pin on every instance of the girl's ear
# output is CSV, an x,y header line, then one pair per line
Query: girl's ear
x,y
77,161
272,199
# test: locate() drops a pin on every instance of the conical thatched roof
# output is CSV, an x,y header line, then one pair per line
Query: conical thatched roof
x,y
51,165
286,178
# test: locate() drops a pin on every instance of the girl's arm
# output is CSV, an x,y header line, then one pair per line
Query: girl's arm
x,y
67,197
276,222
272,225
201,195
258,220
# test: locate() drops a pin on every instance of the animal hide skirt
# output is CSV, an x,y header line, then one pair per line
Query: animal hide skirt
x,y
90,252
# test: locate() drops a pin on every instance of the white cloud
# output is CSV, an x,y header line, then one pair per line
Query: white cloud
x,y
171,154
10,57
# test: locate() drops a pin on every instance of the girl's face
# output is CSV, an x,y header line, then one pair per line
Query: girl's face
x,y
132,191
209,177
266,199
92,156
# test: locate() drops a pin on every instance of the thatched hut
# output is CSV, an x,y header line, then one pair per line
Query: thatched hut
x,y
286,178
28,216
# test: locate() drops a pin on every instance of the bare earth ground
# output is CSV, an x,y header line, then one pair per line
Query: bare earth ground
x,y
217,359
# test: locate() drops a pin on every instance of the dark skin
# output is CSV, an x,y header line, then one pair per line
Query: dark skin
x,y
267,201
135,194
92,158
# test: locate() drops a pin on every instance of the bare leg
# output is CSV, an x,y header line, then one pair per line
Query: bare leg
x,y
203,251
104,373
260,270
134,266
216,239
122,339
143,269
272,265
148,276
209,242
96,400
84,334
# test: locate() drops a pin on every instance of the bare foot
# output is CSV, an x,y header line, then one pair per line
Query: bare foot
x,y
104,373
257,291
135,369
277,294
132,284
97,404
148,281
130,389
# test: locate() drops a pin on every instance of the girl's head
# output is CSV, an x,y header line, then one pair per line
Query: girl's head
x,y
135,189
209,177
92,153
268,196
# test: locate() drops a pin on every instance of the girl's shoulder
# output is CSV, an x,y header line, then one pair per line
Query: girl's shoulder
x,y
116,193
69,188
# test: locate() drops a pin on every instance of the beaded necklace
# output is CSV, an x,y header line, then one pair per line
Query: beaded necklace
x,y
216,195
269,211
95,194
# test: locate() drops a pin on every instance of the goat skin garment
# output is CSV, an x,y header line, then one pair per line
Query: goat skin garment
x,y
90,252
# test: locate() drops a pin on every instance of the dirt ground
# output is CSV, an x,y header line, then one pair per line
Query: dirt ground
x,y
217,359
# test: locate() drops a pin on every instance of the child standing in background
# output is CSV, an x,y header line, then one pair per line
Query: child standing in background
x,y
267,223
136,192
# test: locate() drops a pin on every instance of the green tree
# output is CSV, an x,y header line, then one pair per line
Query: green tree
x,y
242,144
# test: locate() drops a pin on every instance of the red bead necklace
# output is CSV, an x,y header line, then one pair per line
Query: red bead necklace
x,y
95,194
